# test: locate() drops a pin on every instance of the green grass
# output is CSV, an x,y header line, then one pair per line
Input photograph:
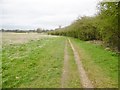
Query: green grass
x,y
73,74
100,65
37,64
73,79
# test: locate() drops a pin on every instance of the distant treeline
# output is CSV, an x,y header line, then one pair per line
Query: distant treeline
x,y
24,31
103,26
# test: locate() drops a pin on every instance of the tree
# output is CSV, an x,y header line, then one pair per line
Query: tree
x,y
39,30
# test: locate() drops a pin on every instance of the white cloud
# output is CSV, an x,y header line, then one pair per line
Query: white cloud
x,y
30,14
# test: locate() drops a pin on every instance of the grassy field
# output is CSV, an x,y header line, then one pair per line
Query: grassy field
x,y
33,64
36,61
100,65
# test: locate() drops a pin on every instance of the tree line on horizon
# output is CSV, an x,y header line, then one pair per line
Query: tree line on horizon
x,y
103,26
38,30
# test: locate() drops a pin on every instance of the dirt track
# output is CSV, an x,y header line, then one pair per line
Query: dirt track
x,y
86,83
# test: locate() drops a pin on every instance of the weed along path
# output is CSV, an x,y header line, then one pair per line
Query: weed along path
x,y
86,83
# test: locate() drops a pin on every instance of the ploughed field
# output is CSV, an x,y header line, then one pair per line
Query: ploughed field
x,y
31,60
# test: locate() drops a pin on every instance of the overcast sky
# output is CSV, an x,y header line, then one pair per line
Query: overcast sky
x,y
47,14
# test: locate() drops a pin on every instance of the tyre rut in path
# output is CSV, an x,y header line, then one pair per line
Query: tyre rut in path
x,y
65,67
86,83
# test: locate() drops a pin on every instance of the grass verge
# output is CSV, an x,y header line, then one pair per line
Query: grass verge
x,y
101,66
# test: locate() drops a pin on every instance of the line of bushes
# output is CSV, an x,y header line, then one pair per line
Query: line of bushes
x,y
103,26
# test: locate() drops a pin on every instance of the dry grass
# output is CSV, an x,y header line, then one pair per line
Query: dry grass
x,y
18,38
